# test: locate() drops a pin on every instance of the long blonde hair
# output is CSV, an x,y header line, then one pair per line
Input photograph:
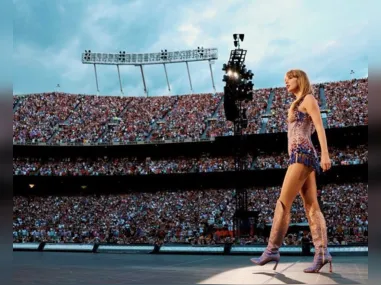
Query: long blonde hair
x,y
304,85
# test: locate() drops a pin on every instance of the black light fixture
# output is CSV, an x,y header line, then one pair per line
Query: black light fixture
x,y
237,77
122,56
164,54
237,38
200,51
87,55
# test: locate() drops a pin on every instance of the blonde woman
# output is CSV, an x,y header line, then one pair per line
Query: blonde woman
x,y
303,118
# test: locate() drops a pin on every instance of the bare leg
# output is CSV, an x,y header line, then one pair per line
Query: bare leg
x,y
317,225
308,193
295,178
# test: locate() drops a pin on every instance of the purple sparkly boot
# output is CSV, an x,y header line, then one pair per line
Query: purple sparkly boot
x,y
279,229
319,238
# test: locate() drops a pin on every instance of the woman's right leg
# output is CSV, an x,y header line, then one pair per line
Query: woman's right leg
x,y
296,176
317,225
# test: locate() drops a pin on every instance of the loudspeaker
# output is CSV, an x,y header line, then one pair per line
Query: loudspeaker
x,y
231,110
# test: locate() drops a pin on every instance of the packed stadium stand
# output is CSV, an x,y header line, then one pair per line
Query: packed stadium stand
x,y
134,166
188,216
62,118
48,127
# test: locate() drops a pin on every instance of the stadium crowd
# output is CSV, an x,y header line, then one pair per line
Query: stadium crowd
x,y
38,115
62,118
279,108
135,124
347,102
90,120
219,126
188,118
134,166
347,156
196,217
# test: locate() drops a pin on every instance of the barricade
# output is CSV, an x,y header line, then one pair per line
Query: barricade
x,y
221,249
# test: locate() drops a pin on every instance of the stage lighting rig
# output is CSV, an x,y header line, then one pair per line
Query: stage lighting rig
x,y
239,86
238,89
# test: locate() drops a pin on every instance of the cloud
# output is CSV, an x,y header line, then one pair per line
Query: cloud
x,y
278,35
189,34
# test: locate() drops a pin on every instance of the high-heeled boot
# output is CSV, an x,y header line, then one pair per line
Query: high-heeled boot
x,y
319,238
279,229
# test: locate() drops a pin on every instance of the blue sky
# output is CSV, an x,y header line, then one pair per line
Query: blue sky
x,y
325,38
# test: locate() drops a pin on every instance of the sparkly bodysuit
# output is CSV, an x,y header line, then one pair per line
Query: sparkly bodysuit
x,y
300,147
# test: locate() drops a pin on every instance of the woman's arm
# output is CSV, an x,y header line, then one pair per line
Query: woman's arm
x,y
312,108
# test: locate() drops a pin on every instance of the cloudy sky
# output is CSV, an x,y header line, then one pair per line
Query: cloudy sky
x,y
325,38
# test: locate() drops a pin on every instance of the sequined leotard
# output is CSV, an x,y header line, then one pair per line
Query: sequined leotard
x,y
300,147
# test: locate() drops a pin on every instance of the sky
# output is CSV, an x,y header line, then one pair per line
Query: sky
x,y
325,38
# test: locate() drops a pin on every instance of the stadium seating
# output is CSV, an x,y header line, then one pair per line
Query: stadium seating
x,y
63,118
132,166
197,217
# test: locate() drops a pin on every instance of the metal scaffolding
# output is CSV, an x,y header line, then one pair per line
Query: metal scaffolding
x,y
140,59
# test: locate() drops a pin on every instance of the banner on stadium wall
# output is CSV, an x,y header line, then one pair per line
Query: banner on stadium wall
x,y
125,248
191,249
180,248
68,247
26,246
305,224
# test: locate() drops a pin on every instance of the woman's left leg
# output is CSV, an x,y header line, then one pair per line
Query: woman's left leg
x,y
317,225
296,176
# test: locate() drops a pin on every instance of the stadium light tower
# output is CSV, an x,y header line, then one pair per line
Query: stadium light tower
x,y
139,59
164,56
239,88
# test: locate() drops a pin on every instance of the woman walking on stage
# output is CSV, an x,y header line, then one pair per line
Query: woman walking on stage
x,y
303,118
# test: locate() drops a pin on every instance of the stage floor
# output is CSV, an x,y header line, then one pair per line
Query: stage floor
x,y
88,268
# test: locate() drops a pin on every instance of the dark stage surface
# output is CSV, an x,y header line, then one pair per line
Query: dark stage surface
x,y
87,268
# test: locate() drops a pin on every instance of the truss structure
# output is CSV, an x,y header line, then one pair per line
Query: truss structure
x,y
139,59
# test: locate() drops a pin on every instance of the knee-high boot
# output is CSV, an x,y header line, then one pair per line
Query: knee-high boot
x,y
319,238
279,229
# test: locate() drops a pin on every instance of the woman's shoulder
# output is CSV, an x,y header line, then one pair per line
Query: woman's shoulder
x,y
308,99
309,96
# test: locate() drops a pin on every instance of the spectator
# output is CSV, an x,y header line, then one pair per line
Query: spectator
x,y
189,216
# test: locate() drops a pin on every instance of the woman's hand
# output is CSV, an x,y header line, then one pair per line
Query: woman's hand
x,y
325,162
